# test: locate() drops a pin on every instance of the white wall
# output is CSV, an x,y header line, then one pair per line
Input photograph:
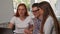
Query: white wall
x,y
58,8
6,10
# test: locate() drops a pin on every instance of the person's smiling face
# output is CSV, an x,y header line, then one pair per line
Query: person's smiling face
x,y
35,11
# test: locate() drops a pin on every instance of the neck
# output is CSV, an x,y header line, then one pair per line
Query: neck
x,y
40,17
22,17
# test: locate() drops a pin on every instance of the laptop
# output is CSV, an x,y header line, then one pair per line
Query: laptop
x,y
6,31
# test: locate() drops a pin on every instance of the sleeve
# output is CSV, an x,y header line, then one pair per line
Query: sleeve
x,y
13,20
48,25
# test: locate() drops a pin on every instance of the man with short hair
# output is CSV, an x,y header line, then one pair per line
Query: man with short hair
x,y
37,19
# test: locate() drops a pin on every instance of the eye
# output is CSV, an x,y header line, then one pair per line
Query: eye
x,y
35,10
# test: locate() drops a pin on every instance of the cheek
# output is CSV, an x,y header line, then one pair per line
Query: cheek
x,y
24,11
41,12
38,14
19,12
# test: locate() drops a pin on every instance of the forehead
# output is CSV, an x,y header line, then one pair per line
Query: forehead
x,y
21,7
34,8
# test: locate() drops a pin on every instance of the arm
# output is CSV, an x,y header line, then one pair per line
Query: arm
x,y
30,27
29,30
12,22
10,25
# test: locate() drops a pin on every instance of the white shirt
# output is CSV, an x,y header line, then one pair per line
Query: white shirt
x,y
19,24
48,26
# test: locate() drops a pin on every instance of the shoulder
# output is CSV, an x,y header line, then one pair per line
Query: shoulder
x,y
13,18
49,20
29,18
48,25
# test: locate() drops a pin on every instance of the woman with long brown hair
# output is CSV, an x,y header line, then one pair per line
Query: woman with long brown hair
x,y
50,24
21,19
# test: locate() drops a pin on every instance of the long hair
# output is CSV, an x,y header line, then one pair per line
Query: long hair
x,y
21,4
48,11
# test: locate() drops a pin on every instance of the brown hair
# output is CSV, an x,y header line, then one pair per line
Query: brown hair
x,y
48,11
21,4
